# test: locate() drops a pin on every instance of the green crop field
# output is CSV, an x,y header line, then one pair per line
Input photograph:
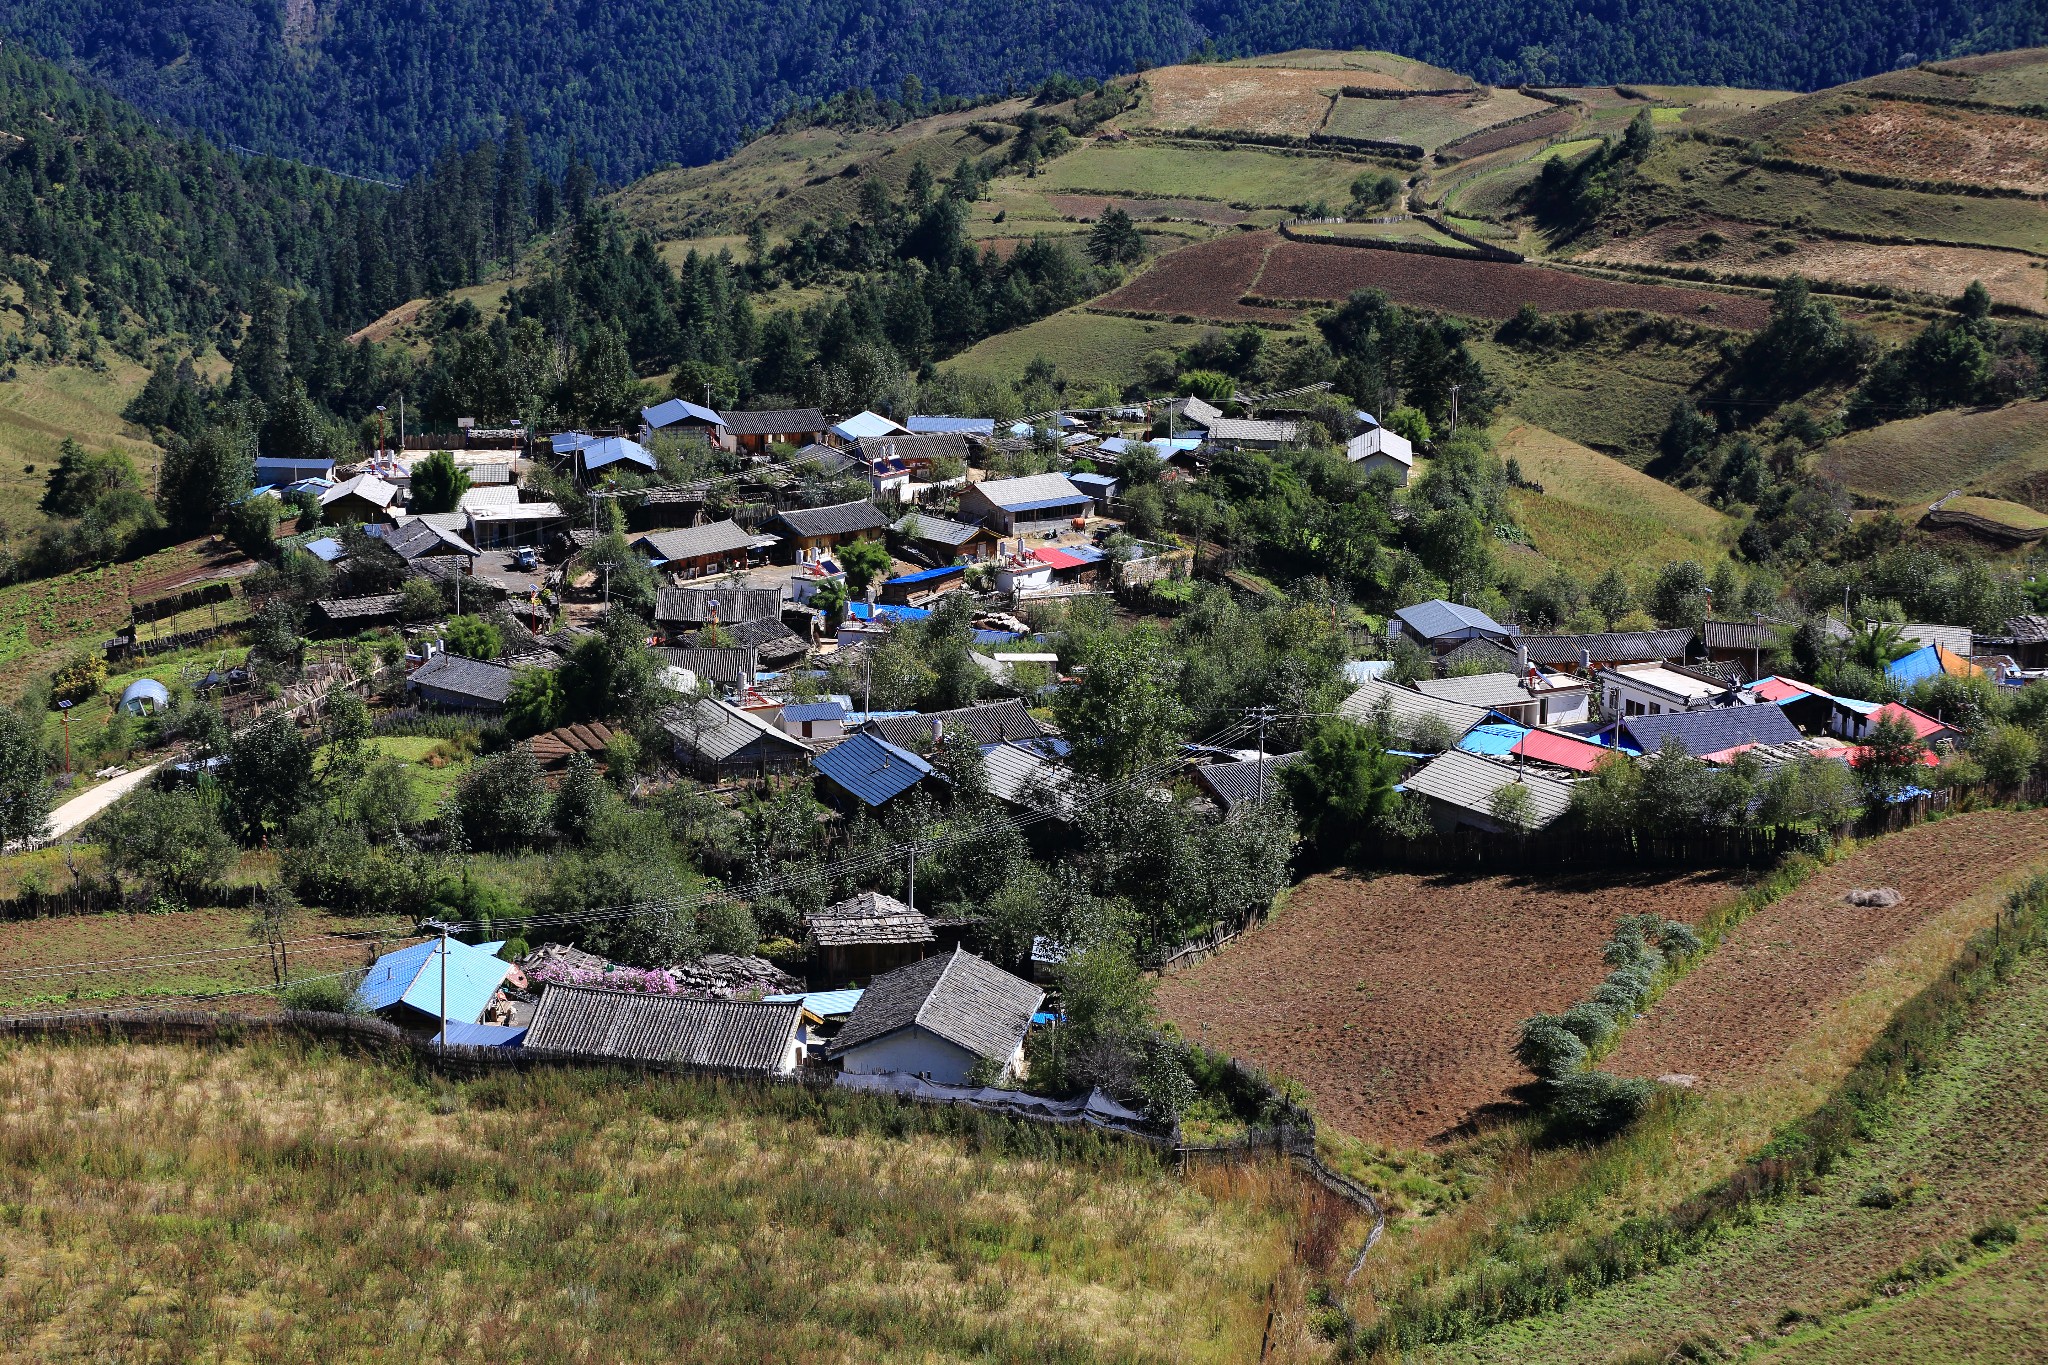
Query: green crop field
x,y
282,1201
1875,1260
1613,392
1412,230
1235,175
1596,512
1701,178
1088,347
2000,451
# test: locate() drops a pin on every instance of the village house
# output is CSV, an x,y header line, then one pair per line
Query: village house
x,y
864,936
1239,433
404,987
1237,783
941,1018
926,585
657,509
735,1036
2025,640
715,741
994,722
1026,775
754,432
277,470
1655,689
979,428
819,720
679,416
813,533
1408,711
1461,790
497,517
1036,502
916,453
1857,723
431,536
727,671
353,614
458,684
364,498
941,541
693,551
871,771
1529,698
1376,449
594,457
1441,626
680,609
861,425
1100,487
1701,733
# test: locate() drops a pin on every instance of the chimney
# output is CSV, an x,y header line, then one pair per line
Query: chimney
x,y
1586,661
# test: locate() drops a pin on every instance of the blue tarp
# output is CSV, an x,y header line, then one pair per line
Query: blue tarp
x,y
926,575
861,612
565,442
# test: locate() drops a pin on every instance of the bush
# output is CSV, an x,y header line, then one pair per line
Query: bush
x,y
728,927
501,803
1589,1023
1549,1048
1595,1104
324,995
81,677
473,638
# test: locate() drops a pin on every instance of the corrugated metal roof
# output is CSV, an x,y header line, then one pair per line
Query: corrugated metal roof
x,y
1495,739
1478,689
1611,647
717,731
366,486
1408,707
872,769
939,530
1930,661
927,575
412,977
676,410
824,1004
1468,782
565,442
1025,777
1435,619
1380,441
726,1035
613,450
970,1003
485,1035
964,426
695,542
1101,482
1031,492
814,711
1544,746
864,424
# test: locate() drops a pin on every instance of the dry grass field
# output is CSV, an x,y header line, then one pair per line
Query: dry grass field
x,y
1999,451
277,1202
1594,511
1290,102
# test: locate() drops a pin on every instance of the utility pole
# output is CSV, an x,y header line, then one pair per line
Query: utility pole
x,y
442,925
912,901
607,587
1454,410
401,425
1757,643
867,681
1262,714
64,710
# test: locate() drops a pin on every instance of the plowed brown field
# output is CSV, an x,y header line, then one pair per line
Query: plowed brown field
x,y
1202,281
1931,143
1247,99
1395,999
1769,980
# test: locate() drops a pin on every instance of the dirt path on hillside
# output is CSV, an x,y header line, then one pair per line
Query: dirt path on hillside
x,y
1770,980
1394,999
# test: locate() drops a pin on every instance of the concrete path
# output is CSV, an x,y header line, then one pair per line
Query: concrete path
x,y
80,809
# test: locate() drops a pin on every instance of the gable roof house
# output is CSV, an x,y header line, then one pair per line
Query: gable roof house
x,y
1461,787
425,537
1529,698
1237,783
1590,651
1442,626
2025,639
872,771
989,722
1240,433
715,740
983,427
812,533
1707,732
916,589
734,1036
942,541
772,642
1654,689
498,518
1019,506
692,551
276,470
850,429
1192,412
1377,448
939,1018
686,608
865,936
727,671
915,451
682,416
813,719
754,432
1025,775
364,498
1409,711
1854,724
360,613
404,987
459,684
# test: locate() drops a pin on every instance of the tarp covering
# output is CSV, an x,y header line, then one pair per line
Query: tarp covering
x,y
1095,1109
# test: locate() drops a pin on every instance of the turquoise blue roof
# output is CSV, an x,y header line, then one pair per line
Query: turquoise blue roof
x,y
1495,740
412,977
824,1004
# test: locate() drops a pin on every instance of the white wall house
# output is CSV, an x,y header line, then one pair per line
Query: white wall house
x,y
1655,690
939,1018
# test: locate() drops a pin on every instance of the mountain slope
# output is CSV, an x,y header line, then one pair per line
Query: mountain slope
x,y
378,88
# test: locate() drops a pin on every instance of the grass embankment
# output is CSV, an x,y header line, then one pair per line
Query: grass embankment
x,y
44,405
1595,512
1613,391
279,1202
2002,452
1091,348
1235,175
1551,1226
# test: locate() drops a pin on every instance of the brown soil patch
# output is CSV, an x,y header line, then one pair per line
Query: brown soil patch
x,y
386,327
1273,100
1550,125
1205,280
1770,980
2014,278
1198,210
1311,272
1395,999
1925,142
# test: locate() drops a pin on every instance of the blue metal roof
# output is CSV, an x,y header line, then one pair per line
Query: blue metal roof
x,y
1919,666
1098,480
860,611
676,410
865,424
997,637
814,710
612,450
1040,504
824,1004
965,426
566,441
872,769
1496,740
1436,619
485,1035
924,575
326,549
1709,732
412,977
1087,554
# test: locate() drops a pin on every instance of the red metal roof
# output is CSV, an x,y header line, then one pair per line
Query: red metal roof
x,y
1059,559
1923,725
1565,752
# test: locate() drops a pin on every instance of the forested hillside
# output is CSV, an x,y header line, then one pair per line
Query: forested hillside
x,y
380,89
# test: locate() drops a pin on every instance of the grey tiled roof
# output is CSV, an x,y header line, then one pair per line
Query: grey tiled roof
x,y
939,529
766,636
726,1035
840,519
2028,629
716,731
692,606
1408,707
355,608
694,542
1709,732
1615,646
731,666
1477,689
870,917
989,723
775,422
937,445
1740,634
1237,783
968,1002
1468,782
464,677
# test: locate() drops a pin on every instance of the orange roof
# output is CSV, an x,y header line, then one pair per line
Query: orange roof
x,y
1784,689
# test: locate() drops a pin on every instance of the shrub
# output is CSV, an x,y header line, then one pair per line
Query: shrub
x,y
81,676
500,803
1549,1048
1589,1023
323,995
728,927
473,638
1595,1104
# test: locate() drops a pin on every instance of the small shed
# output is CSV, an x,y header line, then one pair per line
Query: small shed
x,y
872,771
1100,487
1035,502
405,986
942,540
460,684
364,498
1376,448
939,1018
866,935
690,551
736,1036
813,720
916,589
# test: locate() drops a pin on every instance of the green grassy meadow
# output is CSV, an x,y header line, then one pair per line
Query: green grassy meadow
x,y
1596,512
1999,451
43,406
1613,391
1237,175
278,1201
1089,348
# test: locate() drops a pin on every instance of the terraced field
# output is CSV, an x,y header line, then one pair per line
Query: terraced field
x,y
1429,121
1243,176
1089,348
